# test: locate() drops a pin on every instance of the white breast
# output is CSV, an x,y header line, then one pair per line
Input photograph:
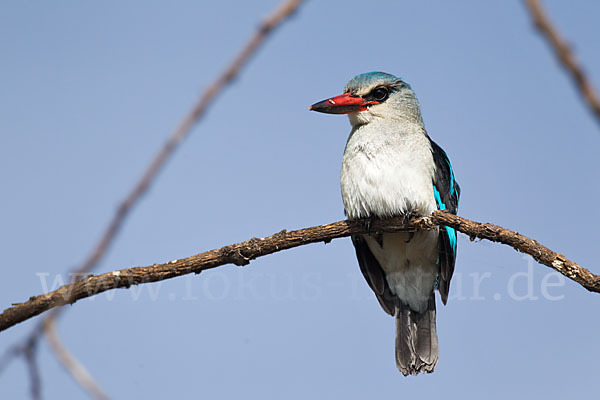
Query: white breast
x,y
387,171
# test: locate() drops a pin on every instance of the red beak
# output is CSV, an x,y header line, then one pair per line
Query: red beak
x,y
342,104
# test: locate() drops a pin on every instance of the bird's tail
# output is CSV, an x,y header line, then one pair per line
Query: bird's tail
x,y
416,339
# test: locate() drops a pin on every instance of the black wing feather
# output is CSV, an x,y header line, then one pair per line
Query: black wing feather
x,y
373,273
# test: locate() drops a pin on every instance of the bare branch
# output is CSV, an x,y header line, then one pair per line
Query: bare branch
x,y
539,252
564,55
74,367
242,253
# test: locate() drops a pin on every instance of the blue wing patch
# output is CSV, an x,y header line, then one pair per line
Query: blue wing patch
x,y
442,206
446,192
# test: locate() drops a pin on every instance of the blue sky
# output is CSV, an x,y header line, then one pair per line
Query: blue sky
x,y
89,92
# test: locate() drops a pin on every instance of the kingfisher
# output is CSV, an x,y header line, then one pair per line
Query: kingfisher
x,y
392,168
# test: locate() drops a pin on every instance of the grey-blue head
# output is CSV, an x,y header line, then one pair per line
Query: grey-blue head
x,y
373,95
369,80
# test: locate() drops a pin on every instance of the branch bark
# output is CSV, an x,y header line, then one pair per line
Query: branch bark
x,y
242,253
565,56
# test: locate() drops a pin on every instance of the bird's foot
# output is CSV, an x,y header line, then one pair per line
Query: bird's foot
x,y
405,220
368,223
407,216
378,236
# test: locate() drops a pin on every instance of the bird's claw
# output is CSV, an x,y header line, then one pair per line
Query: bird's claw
x,y
368,224
406,217
405,220
375,235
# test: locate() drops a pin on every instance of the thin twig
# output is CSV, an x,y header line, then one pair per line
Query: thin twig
x,y
13,351
74,367
283,12
242,253
564,55
183,129
29,351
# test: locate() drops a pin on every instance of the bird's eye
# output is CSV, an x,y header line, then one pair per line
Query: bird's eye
x,y
380,94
